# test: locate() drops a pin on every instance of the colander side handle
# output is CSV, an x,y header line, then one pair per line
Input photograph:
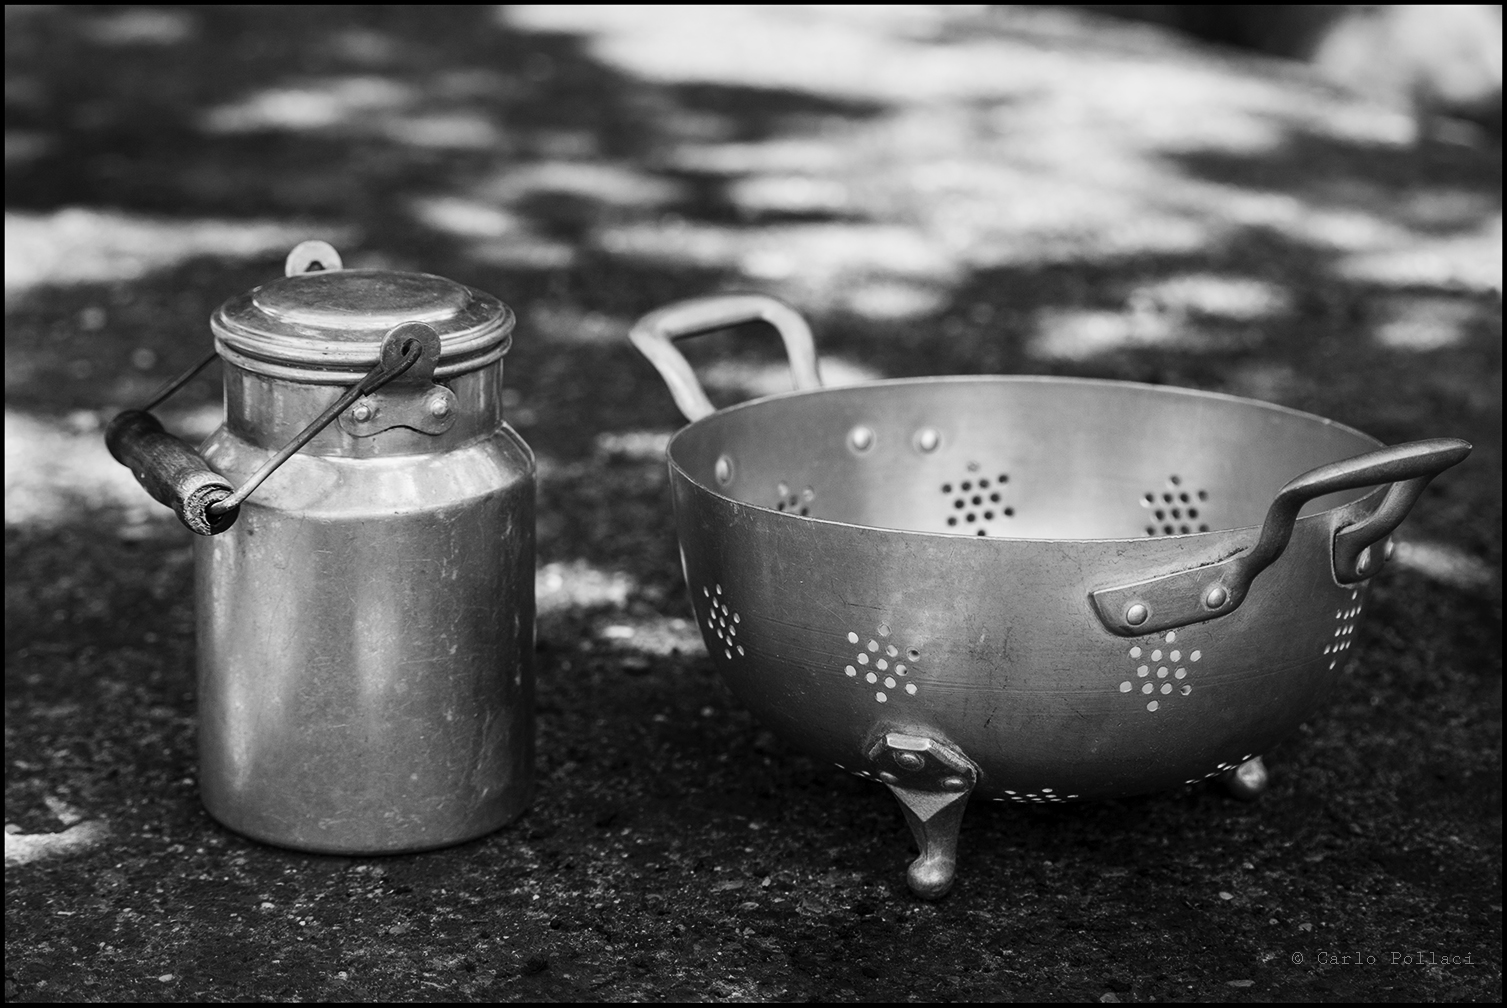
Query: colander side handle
x,y
1218,589
655,333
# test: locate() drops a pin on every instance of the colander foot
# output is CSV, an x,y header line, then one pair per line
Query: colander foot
x,y
932,781
930,876
1248,781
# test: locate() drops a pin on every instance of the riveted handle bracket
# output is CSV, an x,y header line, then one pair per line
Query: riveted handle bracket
x,y
413,399
1217,589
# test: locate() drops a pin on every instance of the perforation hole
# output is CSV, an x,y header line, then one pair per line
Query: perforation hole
x,y
1153,677
1345,631
878,671
787,499
972,508
1170,507
721,621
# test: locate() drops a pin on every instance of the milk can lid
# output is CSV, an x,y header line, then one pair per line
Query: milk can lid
x,y
327,324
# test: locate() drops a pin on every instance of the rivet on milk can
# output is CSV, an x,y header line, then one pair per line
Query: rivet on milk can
x,y
364,576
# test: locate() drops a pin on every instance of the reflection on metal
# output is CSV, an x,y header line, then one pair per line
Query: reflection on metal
x,y
365,629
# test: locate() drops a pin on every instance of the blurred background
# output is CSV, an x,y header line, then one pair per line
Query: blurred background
x,y
1263,199
1299,203
946,188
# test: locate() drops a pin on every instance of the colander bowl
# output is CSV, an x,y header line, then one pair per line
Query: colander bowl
x,y
1023,589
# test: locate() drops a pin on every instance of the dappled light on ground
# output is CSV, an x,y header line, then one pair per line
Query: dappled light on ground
x,y
871,163
941,190
54,475
1009,144
78,245
24,848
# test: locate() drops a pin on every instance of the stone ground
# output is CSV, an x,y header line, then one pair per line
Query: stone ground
x,y
959,190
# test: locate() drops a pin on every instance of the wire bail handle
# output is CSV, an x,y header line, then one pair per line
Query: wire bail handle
x,y
176,475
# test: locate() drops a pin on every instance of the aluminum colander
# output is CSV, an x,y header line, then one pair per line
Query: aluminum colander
x,y
1022,589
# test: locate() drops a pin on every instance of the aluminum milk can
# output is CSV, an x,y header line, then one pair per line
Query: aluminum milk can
x,y
366,614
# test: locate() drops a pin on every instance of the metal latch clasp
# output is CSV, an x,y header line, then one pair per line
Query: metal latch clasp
x,y
413,399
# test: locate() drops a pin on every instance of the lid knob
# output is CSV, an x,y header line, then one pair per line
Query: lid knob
x,y
310,256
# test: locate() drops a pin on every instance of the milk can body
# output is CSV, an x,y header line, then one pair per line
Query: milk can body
x,y
365,627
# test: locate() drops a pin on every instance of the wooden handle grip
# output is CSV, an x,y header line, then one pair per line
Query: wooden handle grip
x,y
172,472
